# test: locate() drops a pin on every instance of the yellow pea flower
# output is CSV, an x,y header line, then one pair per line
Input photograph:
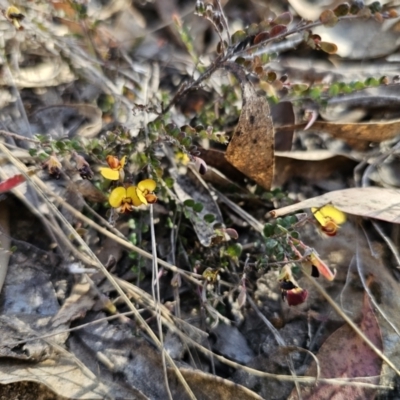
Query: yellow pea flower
x,y
330,218
145,190
125,198
116,170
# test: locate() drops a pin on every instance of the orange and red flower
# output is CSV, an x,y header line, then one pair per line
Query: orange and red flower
x,y
315,266
290,289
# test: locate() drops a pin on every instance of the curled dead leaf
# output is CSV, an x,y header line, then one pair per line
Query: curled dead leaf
x,y
369,202
356,133
251,149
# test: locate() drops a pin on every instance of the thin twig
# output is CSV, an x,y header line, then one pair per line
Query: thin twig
x,y
18,137
155,289
224,21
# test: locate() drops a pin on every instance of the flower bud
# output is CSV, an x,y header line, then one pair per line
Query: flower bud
x,y
199,8
209,10
83,167
53,166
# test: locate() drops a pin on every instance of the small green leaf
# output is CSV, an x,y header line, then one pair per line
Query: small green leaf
x,y
265,58
60,145
270,244
286,222
198,207
267,196
289,220
279,229
342,9
43,156
41,138
268,230
356,7
315,93
234,250
240,60
280,256
372,82
169,182
133,238
347,89
210,218
132,223
199,128
189,203
376,6
334,90
188,129
172,130
145,228
295,234
76,146
300,87
32,152
238,36
358,85
186,141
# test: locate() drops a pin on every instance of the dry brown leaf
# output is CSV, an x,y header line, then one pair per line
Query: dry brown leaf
x,y
76,305
310,165
88,191
344,353
251,149
215,158
13,329
283,117
62,376
44,74
207,386
370,202
361,131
